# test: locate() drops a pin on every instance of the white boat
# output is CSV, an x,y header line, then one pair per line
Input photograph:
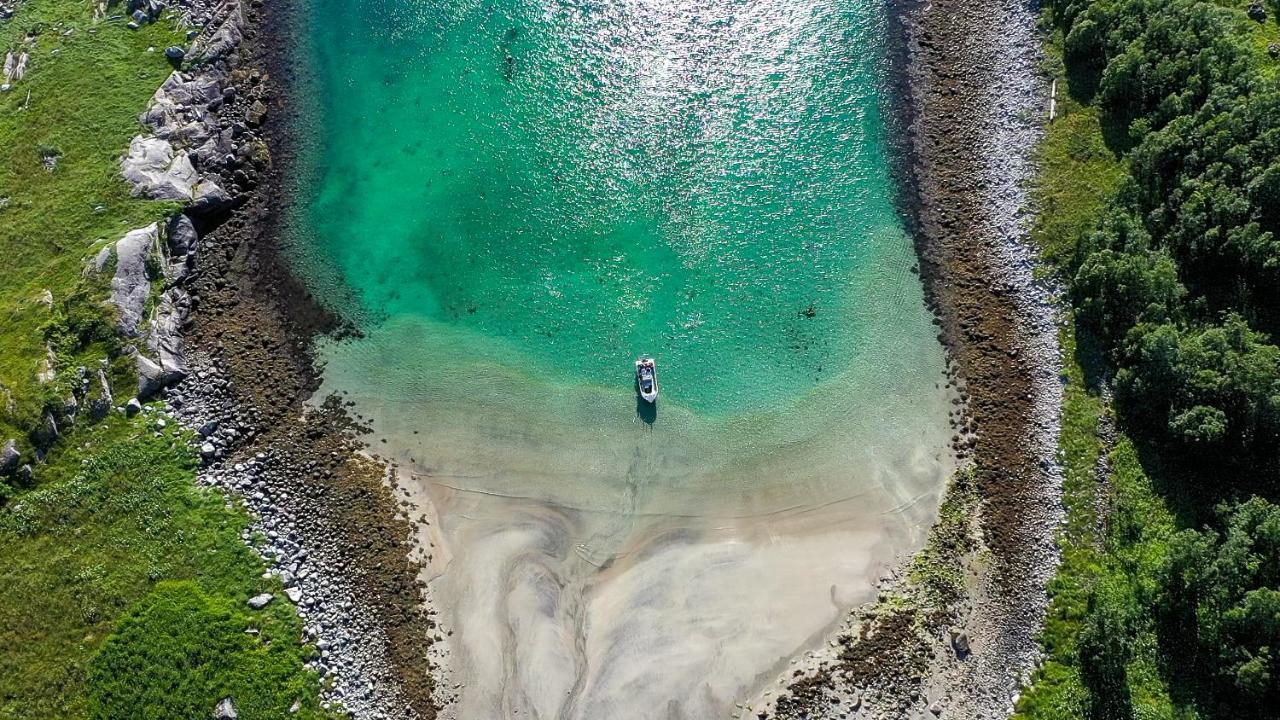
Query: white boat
x,y
647,378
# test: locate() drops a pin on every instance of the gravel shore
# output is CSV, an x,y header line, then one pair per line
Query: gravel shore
x,y
232,339
975,105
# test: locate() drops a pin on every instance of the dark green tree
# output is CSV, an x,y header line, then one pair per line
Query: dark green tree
x,y
1103,654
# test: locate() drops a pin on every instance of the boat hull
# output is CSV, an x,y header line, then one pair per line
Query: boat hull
x,y
647,379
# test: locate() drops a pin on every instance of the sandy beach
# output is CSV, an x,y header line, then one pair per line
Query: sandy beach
x,y
596,565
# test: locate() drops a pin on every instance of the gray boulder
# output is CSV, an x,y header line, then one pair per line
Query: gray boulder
x,y
182,235
151,377
47,433
225,710
100,404
101,259
213,154
165,338
173,52
257,602
70,408
255,113
179,95
10,458
181,242
960,642
157,172
209,198
131,286
228,36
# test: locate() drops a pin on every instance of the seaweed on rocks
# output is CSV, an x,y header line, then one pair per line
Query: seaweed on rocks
x,y
974,103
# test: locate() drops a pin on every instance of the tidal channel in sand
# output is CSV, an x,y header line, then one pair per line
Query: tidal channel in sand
x,y
513,199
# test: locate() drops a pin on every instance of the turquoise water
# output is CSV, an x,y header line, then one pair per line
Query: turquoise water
x,y
515,199
590,182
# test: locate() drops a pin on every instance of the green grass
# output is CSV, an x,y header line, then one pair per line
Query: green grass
x,y
1078,172
85,85
1123,563
1056,692
124,585
191,648
90,556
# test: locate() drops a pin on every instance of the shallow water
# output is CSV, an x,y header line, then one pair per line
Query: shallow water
x,y
514,200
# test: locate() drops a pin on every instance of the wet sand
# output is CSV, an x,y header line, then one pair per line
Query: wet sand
x,y
592,564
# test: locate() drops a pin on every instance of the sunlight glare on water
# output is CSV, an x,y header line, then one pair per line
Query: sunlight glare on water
x,y
705,182
514,199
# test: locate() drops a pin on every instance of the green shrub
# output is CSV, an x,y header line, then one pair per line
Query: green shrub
x,y
180,651
1220,605
1215,389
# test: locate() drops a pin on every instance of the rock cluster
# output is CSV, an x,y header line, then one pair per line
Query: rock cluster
x,y
204,147
190,141
88,390
143,12
15,67
198,146
292,532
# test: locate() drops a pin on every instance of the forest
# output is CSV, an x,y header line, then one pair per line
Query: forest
x,y
1176,292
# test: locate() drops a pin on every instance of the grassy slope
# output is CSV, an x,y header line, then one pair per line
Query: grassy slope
x,y
124,584
1077,175
85,85
110,521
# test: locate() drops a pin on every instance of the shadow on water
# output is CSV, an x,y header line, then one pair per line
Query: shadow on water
x,y
645,410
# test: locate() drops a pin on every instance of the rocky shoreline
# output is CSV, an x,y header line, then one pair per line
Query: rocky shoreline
x,y
975,104
226,344
981,105
229,350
